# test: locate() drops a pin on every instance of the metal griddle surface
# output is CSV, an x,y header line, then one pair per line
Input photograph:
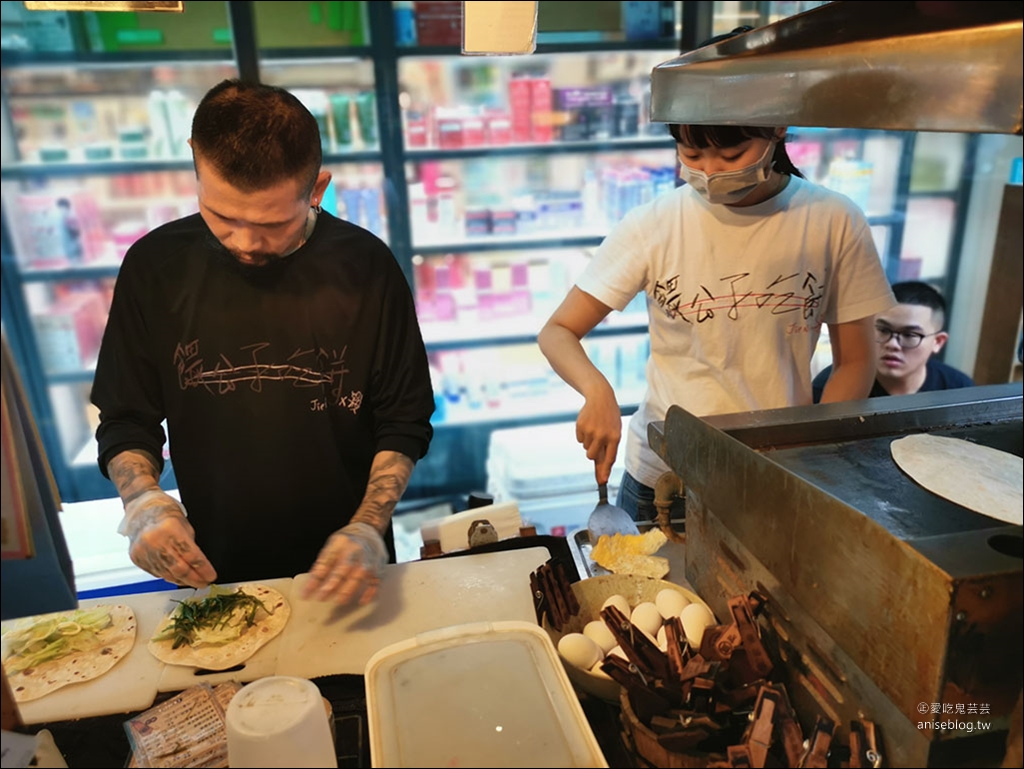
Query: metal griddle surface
x,y
863,474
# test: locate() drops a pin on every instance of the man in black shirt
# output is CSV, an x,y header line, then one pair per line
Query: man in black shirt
x,y
909,336
280,344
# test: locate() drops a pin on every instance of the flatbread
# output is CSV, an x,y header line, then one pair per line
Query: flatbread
x,y
632,553
980,478
115,642
232,653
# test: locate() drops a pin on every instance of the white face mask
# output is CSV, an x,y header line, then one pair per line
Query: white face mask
x,y
730,187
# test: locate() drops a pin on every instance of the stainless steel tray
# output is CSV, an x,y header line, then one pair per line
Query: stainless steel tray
x,y
580,547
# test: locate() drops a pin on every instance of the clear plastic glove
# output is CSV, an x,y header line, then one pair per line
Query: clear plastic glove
x,y
163,541
349,565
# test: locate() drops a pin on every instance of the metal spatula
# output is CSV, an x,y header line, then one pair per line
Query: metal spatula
x,y
606,518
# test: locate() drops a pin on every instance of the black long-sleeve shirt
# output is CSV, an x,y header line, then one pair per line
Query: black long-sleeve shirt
x,y
278,384
938,376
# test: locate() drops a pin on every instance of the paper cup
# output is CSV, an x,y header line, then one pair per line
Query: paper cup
x,y
279,721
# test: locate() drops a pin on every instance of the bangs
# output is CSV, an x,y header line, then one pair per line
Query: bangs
x,y
723,136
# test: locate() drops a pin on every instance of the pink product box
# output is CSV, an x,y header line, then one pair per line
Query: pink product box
x,y
502,291
416,131
499,129
508,304
540,107
496,305
472,132
805,155
434,299
519,106
450,134
435,306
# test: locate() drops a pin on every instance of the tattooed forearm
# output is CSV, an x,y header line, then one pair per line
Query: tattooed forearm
x,y
134,472
150,515
389,477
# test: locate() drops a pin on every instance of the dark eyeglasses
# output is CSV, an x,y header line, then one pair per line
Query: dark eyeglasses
x,y
908,340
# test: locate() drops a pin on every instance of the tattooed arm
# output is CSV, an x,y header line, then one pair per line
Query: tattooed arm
x,y
389,477
162,540
348,566
134,472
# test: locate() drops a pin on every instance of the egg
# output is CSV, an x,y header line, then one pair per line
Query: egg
x,y
599,633
618,601
579,651
695,618
662,639
597,671
617,652
646,617
671,603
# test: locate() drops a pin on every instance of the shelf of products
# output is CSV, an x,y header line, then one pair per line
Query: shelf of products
x,y
528,201
501,297
493,179
515,169
339,92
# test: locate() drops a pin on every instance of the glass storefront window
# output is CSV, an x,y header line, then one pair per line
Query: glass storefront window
x,y
201,27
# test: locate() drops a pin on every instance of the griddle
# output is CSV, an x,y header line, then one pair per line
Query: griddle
x,y
882,595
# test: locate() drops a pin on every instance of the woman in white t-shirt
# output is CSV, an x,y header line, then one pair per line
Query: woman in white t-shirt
x,y
741,266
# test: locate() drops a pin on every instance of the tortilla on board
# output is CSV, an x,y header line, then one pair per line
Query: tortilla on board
x,y
117,640
980,478
227,655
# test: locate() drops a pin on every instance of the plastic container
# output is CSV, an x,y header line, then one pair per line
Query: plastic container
x,y
279,721
484,694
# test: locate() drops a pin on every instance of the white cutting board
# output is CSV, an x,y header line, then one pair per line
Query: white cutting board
x,y
128,686
175,678
321,639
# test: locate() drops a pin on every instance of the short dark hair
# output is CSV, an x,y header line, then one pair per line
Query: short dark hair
x,y
920,293
256,136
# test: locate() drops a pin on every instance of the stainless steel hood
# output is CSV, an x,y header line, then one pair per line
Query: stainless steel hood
x,y
915,66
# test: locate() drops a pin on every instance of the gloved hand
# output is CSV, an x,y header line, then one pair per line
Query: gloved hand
x,y
348,566
163,541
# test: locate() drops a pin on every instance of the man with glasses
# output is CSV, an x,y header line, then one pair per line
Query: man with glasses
x,y
909,336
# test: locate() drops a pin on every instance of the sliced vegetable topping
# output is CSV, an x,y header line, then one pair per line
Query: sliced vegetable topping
x,y
54,637
221,616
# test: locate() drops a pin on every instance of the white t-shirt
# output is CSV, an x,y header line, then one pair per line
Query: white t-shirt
x,y
735,298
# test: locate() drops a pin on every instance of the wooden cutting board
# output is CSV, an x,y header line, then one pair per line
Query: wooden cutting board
x,y
321,639
129,686
174,678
